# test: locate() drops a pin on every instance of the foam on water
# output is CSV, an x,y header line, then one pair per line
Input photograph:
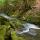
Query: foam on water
x,y
29,29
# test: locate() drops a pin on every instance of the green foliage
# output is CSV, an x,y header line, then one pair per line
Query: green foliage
x,y
2,3
21,11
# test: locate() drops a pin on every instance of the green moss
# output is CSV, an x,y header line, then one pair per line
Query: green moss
x,y
15,37
2,32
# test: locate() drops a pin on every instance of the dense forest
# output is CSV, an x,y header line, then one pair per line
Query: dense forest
x,y
15,13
